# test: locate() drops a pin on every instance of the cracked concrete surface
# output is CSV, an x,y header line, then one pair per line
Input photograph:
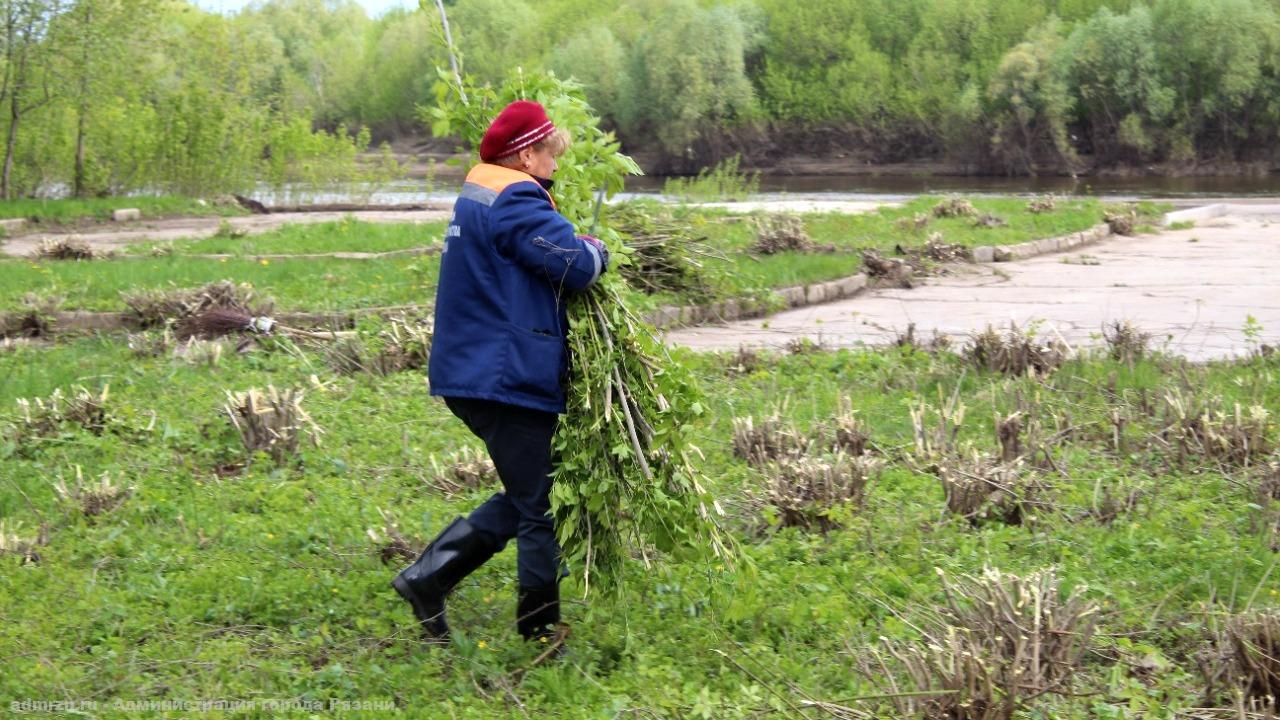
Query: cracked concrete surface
x,y
1192,289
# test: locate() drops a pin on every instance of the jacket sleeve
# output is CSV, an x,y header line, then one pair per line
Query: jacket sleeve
x,y
528,230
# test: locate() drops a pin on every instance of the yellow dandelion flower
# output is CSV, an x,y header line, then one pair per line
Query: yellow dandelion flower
x,y
483,644
264,262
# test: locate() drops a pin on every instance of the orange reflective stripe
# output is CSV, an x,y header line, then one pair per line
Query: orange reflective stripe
x,y
498,178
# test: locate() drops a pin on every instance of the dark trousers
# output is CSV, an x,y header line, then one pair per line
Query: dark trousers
x,y
519,443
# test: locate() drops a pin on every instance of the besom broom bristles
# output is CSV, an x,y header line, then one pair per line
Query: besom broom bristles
x,y
217,322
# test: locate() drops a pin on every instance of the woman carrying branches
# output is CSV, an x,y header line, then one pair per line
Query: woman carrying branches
x,y
499,359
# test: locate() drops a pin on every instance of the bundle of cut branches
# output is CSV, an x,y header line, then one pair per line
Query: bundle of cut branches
x,y
626,478
666,255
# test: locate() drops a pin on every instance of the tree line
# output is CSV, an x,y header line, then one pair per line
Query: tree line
x,y
102,96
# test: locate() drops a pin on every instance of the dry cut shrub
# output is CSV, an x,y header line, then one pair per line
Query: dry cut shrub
x,y
1042,205
892,270
805,346
936,344
744,362
153,343
93,497
461,471
1123,221
988,220
199,352
35,318
954,206
271,421
1017,352
42,417
157,307
1198,426
1125,342
404,344
770,439
781,233
65,248
915,223
391,542
1254,640
15,541
1268,484
980,489
846,433
804,492
936,429
1000,642
763,441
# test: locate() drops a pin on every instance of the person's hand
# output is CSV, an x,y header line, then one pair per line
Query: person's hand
x,y
599,246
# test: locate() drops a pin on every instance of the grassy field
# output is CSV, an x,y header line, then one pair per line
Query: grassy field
x,y
348,235
302,284
67,212
737,270
212,579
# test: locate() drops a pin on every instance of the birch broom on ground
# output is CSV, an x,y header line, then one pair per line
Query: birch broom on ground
x,y
626,479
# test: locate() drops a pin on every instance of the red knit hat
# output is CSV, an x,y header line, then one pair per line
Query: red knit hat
x,y
519,125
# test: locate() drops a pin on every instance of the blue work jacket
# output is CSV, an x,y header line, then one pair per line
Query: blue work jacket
x,y
509,261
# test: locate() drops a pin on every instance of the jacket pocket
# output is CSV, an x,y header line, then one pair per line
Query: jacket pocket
x,y
535,364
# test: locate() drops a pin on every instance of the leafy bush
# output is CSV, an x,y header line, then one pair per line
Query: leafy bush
x,y
723,182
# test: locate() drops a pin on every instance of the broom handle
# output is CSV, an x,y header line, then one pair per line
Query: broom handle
x,y
330,335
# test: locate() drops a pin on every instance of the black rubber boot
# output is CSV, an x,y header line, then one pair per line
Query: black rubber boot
x,y
538,612
453,555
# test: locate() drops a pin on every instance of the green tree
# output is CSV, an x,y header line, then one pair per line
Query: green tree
x,y
819,65
1111,64
598,60
399,71
28,83
687,79
1030,104
101,41
1211,55
495,36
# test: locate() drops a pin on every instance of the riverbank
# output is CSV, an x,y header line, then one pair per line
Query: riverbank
x,y
850,171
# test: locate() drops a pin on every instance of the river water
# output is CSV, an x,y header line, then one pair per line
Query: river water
x,y
846,188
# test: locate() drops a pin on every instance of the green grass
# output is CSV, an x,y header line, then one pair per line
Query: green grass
x,y
347,235
351,284
71,211
746,274
304,284
265,584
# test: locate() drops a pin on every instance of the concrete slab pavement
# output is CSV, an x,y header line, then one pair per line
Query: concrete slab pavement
x,y
1192,288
